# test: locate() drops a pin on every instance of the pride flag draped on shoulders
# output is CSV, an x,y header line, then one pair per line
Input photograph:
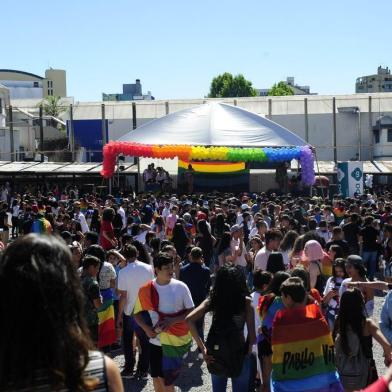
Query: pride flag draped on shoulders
x,y
175,341
41,226
303,352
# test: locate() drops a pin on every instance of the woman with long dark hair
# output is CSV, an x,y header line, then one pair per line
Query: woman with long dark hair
x,y
331,298
205,241
55,352
180,239
220,226
275,263
143,254
354,334
230,304
287,245
224,250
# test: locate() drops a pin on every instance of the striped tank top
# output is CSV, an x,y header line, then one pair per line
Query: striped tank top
x,y
95,369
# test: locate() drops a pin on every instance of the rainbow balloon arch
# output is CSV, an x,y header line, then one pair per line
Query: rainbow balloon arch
x,y
304,154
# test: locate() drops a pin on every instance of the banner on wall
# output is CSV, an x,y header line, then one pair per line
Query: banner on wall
x,y
350,178
209,175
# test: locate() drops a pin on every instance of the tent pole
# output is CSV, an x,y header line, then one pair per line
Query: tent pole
x,y
318,173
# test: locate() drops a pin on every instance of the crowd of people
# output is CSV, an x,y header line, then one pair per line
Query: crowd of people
x,y
157,178
289,283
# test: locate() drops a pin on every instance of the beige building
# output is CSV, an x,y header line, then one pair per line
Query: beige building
x,y
25,85
381,82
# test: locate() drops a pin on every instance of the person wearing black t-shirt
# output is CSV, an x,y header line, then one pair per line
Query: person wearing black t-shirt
x,y
337,239
351,232
369,237
197,277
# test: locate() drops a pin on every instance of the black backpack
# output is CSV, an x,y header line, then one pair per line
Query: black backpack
x,y
354,368
226,344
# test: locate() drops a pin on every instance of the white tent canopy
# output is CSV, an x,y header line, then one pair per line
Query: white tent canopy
x,y
214,124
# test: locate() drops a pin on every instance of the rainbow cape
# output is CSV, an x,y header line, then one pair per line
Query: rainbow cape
x,y
303,352
175,341
106,325
41,226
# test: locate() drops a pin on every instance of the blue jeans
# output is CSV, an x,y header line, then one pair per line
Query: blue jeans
x,y
240,383
370,261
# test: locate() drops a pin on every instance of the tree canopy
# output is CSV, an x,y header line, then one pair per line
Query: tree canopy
x,y
280,88
52,106
227,85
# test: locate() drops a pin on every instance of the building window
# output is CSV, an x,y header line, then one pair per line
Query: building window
x,y
35,84
376,136
370,86
389,136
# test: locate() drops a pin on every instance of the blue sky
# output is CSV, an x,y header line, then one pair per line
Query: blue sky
x,y
177,47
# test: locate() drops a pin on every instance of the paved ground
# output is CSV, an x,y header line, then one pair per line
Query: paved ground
x,y
195,377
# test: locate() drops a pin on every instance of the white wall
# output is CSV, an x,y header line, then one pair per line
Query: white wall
x,y
384,148
287,111
5,144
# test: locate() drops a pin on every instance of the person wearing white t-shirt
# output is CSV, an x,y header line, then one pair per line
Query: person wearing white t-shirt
x,y
166,211
121,212
272,242
174,298
130,279
237,246
78,216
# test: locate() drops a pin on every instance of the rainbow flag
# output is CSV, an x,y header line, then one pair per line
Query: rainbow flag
x,y
303,352
175,341
212,167
268,306
215,175
41,226
106,325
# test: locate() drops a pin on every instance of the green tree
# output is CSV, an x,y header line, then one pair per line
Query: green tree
x,y
52,106
280,89
227,85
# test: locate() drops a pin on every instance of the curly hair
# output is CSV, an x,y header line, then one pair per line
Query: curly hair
x,y
228,295
40,290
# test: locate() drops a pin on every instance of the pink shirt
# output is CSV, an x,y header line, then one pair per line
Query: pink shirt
x,y
171,221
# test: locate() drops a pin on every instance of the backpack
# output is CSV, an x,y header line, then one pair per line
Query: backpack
x,y
354,368
226,344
